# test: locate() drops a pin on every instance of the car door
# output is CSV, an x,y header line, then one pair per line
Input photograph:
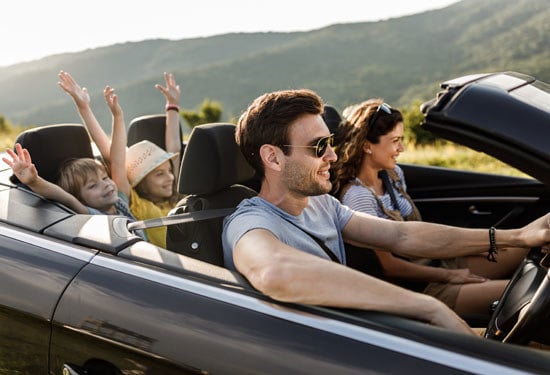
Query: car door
x,y
120,316
473,199
34,272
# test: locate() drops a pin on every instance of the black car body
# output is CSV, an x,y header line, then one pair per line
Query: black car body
x,y
83,295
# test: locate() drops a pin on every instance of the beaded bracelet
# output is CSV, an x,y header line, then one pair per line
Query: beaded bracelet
x,y
171,107
492,246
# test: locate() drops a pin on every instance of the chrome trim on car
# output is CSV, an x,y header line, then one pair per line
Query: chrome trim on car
x,y
48,244
369,336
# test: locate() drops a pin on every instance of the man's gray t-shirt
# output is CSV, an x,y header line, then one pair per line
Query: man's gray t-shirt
x,y
324,217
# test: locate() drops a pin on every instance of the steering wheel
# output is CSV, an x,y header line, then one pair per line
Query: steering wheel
x,y
524,308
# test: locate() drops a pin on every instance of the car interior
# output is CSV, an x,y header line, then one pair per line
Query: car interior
x,y
214,177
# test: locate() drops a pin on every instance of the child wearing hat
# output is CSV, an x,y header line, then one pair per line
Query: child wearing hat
x,y
145,173
150,174
83,185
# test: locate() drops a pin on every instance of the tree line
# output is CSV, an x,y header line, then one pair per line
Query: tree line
x,y
211,111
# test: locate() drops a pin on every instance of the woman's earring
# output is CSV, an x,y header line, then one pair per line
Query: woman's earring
x,y
369,152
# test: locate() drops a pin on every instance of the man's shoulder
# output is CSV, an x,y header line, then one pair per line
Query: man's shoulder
x,y
324,199
250,206
326,204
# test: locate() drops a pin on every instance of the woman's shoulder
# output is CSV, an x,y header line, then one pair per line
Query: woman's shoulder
x,y
357,191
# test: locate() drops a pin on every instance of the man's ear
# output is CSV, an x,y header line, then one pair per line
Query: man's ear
x,y
271,156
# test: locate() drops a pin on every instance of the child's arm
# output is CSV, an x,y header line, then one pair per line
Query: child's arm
x,y
25,171
81,99
118,143
172,136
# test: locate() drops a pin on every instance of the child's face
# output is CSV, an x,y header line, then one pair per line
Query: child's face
x,y
99,192
159,182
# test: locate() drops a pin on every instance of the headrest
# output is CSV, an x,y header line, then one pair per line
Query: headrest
x,y
151,128
332,118
51,145
212,160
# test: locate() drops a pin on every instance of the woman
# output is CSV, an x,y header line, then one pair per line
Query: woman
x,y
370,140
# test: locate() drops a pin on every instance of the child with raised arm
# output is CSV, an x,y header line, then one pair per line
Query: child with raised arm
x,y
150,171
84,185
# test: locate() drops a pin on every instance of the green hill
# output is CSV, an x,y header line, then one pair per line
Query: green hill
x,y
399,59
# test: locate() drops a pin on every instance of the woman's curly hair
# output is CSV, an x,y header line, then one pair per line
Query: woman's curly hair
x,y
351,136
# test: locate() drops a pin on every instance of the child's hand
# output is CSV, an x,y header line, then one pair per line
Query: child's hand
x,y
112,101
69,85
171,91
21,164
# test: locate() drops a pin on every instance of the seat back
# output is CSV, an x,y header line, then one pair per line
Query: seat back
x,y
332,118
151,128
212,174
51,145
364,260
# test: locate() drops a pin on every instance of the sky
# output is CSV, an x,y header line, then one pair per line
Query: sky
x,y
32,29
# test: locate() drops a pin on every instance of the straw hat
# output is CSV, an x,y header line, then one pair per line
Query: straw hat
x,y
142,158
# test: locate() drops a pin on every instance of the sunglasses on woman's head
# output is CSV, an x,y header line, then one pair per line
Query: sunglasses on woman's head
x,y
382,107
321,145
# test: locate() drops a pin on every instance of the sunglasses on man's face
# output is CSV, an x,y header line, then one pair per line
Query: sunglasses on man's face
x,y
321,145
382,107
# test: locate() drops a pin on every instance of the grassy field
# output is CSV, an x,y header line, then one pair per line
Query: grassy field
x,y
8,135
457,157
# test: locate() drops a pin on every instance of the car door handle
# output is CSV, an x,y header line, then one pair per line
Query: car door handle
x,y
473,210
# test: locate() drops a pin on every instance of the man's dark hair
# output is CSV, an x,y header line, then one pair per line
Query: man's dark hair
x,y
268,118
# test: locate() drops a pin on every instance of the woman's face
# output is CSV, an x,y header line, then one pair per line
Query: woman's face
x,y
383,155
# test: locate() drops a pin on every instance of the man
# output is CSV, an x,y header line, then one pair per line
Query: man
x,y
289,240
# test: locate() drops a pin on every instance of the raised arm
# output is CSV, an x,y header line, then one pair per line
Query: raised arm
x,y
172,136
287,274
81,99
429,240
25,171
118,142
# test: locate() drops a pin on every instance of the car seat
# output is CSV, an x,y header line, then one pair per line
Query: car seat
x,y
332,118
51,145
212,176
151,128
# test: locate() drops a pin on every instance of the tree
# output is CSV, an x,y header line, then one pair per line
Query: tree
x,y
412,118
4,126
209,112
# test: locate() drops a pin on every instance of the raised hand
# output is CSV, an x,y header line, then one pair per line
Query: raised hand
x,y
112,101
21,164
71,87
171,91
